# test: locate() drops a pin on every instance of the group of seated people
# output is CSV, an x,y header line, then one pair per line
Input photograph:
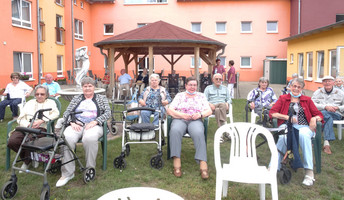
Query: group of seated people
x,y
187,109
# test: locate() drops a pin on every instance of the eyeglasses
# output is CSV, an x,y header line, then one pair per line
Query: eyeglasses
x,y
40,94
15,77
218,79
296,87
192,85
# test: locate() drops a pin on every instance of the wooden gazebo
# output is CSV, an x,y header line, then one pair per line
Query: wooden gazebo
x,y
159,38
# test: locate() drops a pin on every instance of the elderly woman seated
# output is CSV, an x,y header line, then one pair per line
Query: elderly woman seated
x,y
24,120
300,113
95,112
154,96
262,97
187,109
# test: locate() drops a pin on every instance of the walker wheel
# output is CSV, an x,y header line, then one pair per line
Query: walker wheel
x,y
9,190
284,175
114,129
127,150
156,162
89,174
45,194
119,163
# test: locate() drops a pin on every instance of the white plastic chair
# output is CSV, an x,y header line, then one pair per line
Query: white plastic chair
x,y
21,105
243,166
253,117
339,124
229,114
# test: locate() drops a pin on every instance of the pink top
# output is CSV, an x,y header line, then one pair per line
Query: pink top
x,y
218,69
190,105
231,71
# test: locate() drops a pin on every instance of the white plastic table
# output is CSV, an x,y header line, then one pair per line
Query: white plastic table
x,y
140,193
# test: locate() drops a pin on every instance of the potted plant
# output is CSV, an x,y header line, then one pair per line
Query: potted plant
x,y
24,77
62,81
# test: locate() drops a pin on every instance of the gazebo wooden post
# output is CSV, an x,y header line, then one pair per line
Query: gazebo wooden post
x,y
150,56
111,65
197,49
172,63
212,55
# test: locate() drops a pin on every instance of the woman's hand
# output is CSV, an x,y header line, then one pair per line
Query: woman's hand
x,y
196,116
37,123
76,127
313,124
142,102
186,116
252,105
91,125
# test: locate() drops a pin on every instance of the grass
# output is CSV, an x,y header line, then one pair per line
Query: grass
x,y
328,185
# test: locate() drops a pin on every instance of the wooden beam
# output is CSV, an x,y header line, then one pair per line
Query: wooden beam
x,y
150,53
197,49
111,65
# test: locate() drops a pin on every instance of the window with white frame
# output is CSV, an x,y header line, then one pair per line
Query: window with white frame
x,y
320,64
193,62
143,62
300,65
333,63
74,1
310,65
221,27
291,59
245,62
246,27
139,25
21,13
22,63
59,2
271,27
271,57
41,26
144,1
81,4
196,27
78,26
108,29
59,65
223,60
59,30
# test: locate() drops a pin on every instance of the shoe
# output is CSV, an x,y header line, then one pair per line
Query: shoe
x,y
308,181
327,149
24,167
35,164
204,174
1,120
64,180
177,171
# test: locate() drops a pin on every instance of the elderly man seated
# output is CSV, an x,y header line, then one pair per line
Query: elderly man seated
x,y
330,101
54,88
338,83
218,98
125,82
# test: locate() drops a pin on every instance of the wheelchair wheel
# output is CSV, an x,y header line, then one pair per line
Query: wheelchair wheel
x,y
9,190
56,167
45,194
156,162
284,176
89,174
119,163
127,150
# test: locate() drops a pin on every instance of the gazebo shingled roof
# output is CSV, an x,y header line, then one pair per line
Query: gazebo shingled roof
x,y
160,38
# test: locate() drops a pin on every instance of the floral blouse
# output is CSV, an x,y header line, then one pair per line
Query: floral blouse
x,y
190,105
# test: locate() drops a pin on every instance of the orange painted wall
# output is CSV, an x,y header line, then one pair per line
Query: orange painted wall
x,y
16,39
257,44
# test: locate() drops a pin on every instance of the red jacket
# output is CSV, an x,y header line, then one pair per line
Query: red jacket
x,y
282,107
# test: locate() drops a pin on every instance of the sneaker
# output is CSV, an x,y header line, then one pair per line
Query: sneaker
x,y
308,181
64,180
24,167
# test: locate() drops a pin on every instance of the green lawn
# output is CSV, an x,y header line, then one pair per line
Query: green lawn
x,y
328,185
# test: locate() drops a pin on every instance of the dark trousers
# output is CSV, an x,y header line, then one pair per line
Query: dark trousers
x,y
15,141
13,103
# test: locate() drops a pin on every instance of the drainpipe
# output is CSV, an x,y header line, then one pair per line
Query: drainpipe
x,y
38,47
299,18
106,58
73,59
220,54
